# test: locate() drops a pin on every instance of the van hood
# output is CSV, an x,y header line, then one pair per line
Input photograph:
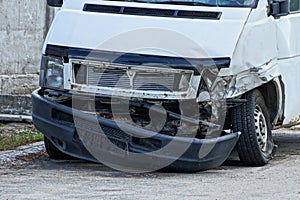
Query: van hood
x,y
151,29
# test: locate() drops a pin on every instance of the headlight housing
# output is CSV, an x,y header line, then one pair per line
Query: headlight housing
x,y
52,72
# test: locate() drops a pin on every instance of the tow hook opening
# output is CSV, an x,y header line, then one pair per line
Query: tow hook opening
x,y
59,143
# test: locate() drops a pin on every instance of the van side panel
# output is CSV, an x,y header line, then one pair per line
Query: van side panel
x,y
254,61
257,43
288,31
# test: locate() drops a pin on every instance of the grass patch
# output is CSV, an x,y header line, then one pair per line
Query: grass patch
x,y
18,138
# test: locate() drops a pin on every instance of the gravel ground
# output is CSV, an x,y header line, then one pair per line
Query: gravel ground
x,y
38,177
21,155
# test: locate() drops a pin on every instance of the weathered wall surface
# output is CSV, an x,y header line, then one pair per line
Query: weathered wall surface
x,y
23,27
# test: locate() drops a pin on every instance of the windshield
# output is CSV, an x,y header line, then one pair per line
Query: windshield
x,y
215,3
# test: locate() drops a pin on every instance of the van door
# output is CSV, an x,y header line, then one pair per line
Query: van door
x,y
288,31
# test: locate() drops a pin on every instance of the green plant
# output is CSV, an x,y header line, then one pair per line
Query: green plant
x,y
18,138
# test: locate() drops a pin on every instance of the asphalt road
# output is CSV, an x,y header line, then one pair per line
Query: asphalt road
x,y
42,178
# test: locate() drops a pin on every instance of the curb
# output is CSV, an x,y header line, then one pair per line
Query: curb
x,y
10,156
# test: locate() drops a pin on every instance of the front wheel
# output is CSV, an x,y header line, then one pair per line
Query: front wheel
x,y
255,146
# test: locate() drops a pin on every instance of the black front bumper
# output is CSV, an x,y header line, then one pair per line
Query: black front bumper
x,y
56,122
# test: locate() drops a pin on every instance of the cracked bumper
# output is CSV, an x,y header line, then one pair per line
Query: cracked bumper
x,y
56,122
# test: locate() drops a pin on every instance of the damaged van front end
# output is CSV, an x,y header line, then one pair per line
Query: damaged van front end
x,y
135,117
140,86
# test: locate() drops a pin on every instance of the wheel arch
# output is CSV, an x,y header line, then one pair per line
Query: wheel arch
x,y
273,93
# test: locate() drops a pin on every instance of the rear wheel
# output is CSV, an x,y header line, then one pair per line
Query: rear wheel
x,y
54,152
255,146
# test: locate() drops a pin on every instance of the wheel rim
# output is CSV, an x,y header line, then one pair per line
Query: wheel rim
x,y
261,128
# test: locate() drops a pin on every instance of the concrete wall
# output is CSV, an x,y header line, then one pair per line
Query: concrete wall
x,y
23,27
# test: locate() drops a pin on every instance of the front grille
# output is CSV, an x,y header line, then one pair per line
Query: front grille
x,y
126,77
119,78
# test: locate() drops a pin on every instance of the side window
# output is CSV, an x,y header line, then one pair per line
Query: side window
x,y
294,5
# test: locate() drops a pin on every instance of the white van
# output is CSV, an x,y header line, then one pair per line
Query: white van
x,y
150,72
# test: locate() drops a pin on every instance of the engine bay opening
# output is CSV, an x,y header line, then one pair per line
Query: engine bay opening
x,y
162,116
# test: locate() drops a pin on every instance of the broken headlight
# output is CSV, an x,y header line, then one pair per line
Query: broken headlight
x,y
51,75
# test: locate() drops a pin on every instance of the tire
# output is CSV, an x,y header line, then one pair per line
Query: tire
x,y
54,152
255,146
